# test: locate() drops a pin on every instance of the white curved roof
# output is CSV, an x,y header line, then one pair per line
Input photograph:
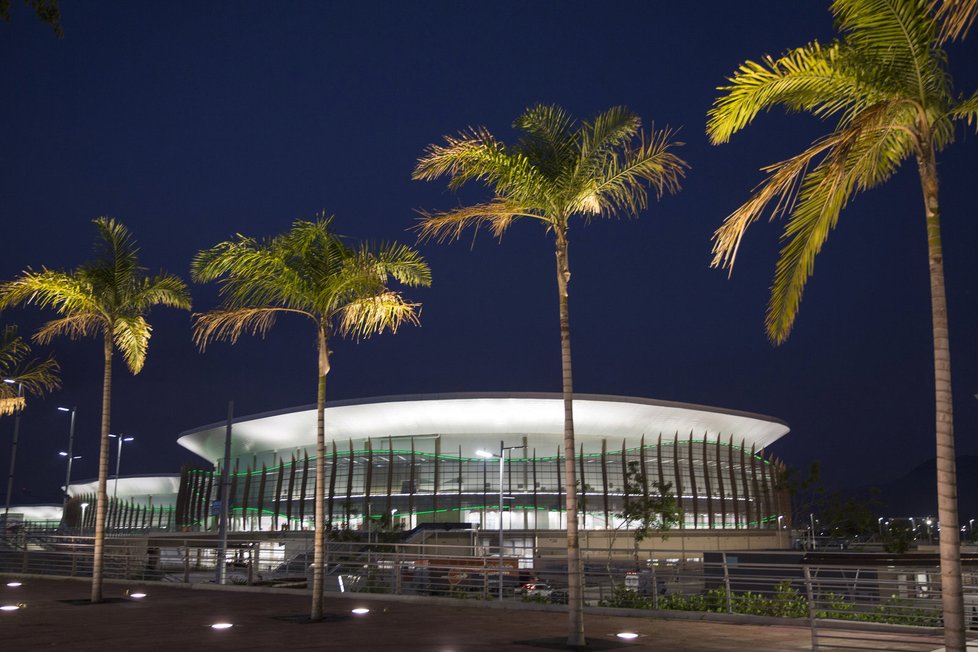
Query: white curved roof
x,y
140,488
480,420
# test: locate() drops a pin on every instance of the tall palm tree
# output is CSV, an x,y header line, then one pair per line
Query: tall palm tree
x,y
108,297
309,272
886,85
560,169
34,377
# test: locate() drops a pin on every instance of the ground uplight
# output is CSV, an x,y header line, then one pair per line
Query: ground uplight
x,y
361,610
137,596
627,635
222,626
13,585
10,607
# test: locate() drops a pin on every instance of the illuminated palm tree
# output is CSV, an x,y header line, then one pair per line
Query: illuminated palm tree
x,y
559,170
20,375
108,298
308,272
886,85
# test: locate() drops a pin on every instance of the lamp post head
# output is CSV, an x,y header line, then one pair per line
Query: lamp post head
x,y
485,454
62,454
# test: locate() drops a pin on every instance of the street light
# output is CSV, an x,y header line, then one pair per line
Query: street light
x,y
70,459
71,441
84,506
502,458
13,446
118,462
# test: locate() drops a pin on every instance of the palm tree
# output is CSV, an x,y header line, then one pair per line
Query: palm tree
x,y
886,85
309,272
34,377
108,297
560,169
21,376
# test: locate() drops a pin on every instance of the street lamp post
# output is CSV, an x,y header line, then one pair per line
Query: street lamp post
x,y
84,506
502,458
13,447
118,462
71,441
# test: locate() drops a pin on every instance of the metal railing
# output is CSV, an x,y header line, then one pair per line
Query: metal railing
x,y
848,601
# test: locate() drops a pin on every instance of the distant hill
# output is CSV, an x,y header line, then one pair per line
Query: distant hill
x,y
915,493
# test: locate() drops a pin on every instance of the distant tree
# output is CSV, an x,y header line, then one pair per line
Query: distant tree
x,y
851,517
648,508
47,10
28,376
559,170
107,297
308,272
886,83
898,536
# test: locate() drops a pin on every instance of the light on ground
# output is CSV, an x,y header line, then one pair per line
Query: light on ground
x,y
13,585
627,635
222,626
361,610
10,607
137,596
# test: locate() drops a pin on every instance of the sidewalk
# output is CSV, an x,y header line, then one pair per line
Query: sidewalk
x,y
175,618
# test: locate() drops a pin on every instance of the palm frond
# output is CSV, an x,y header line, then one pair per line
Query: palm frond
x,y
955,17
497,215
620,180
116,265
549,139
231,324
13,348
607,131
76,326
371,315
35,377
251,273
867,151
898,38
862,157
478,155
163,290
64,293
12,405
809,78
130,335
967,110
405,264
38,377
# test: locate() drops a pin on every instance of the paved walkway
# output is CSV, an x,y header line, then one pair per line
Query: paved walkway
x,y
178,618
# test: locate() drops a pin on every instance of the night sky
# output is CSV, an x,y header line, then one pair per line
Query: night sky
x,y
190,122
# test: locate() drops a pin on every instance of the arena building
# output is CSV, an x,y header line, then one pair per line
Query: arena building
x,y
400,462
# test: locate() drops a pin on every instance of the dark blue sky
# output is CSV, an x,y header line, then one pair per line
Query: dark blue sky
x,y
192,121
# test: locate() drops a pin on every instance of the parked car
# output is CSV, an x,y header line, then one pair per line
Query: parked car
x,y
531,589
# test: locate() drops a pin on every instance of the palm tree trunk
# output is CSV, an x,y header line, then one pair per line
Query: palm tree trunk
x,y
101,499
319,538
575,584
947,486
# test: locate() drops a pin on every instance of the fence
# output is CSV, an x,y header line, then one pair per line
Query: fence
x,y
849,601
